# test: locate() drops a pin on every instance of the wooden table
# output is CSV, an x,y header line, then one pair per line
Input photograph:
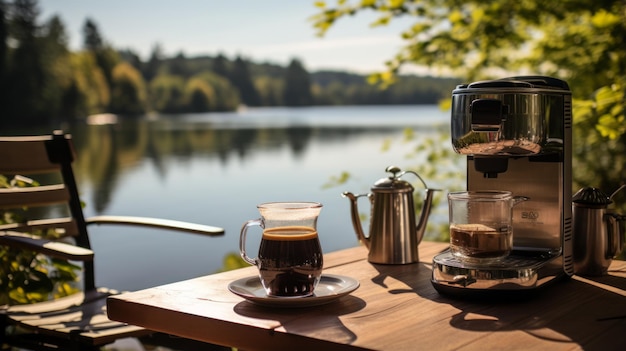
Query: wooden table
x,y
395,308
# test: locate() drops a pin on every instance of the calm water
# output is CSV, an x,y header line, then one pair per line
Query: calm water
x,y
215,168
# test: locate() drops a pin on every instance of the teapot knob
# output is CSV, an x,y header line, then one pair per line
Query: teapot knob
x,y
393,169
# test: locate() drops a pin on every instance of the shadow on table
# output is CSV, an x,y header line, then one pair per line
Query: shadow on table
x,y
416,277
300,323
577,310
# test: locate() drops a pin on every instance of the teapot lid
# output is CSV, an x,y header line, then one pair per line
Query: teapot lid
x,y
591,196
393,183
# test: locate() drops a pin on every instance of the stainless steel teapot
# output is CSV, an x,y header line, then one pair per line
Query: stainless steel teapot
x,y
393,236
598,232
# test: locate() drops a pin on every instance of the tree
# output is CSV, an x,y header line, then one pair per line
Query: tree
x,y
200,96
580,41
178,66
570,39
226,96
57,67
106,57
4,52
26,75
297,89
128,91
220,66
151,68
240,77
166,93
89,87
270,90
132,57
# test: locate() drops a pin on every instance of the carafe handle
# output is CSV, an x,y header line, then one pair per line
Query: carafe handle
x,y
615,231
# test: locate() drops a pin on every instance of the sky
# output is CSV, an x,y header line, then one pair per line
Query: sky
x,y
274,31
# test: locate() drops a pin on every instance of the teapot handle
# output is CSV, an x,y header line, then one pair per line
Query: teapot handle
x,y
395,170
617,191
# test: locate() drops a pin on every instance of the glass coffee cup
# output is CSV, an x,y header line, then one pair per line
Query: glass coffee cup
x,y
481,229
290,255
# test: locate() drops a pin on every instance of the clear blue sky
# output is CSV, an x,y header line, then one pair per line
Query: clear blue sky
x,y
260,30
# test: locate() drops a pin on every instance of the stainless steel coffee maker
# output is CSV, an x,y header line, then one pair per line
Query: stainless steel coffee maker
x,y
516,133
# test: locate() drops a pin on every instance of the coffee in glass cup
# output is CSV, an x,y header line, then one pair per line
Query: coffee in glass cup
x,y
290,257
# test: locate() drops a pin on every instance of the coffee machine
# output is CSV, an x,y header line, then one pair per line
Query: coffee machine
x,y
517,135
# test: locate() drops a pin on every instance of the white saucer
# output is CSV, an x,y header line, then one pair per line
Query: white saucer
x,y
330,288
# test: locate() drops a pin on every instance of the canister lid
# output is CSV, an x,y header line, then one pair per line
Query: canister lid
x,y
591,196
520,83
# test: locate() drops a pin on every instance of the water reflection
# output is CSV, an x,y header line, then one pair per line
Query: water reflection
x,y
105,152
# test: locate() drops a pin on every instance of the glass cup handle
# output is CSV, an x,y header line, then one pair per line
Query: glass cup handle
x,y
242,239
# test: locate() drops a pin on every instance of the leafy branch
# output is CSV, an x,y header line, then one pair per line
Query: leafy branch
x,y
27,276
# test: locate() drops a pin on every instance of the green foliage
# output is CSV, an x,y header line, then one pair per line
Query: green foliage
x,y
580,41
600,135
151,68
166,92
128,91
106,57
25,74
337,180
41,80
226,96
58,77
240,77
270,90
26,276
297,89
339,88
200,96
93,41
220,66
90,90
232,261
610,111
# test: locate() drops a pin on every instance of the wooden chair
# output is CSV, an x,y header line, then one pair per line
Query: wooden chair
x,y
78,321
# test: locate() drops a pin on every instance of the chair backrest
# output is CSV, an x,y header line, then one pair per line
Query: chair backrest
x,y
54,203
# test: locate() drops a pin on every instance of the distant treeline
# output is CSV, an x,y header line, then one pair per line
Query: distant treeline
x,y
42,81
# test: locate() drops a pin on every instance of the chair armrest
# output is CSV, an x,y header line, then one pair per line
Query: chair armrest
x,y
157,223
44,246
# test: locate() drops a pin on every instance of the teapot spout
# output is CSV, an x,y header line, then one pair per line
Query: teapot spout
x,y
354,214
423,220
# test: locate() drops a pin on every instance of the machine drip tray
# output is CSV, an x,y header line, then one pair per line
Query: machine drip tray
x,y
517,272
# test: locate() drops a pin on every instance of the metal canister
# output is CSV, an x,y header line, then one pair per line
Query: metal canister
x,y
598,232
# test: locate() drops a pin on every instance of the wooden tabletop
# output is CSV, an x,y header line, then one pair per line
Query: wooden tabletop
x,y
395,308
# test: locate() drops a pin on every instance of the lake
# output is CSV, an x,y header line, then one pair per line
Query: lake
x,y
215,168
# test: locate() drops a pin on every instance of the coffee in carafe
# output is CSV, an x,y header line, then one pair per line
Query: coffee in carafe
x,y
481,229
480,242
